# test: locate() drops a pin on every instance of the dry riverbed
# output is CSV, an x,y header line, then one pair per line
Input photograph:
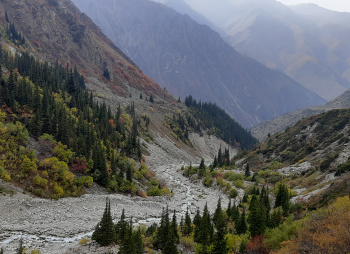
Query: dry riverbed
x,y
57,226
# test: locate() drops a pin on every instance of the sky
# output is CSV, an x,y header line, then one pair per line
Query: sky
x,y
336,5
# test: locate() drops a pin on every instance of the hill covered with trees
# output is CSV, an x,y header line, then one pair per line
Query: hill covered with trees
x,y
47,108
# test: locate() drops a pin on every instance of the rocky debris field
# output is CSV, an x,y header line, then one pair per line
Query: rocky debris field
x,y
57,226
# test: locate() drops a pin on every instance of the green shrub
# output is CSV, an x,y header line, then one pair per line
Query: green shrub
x,y
88,180
284,232
48,137
239,184
62,153
4,175
233,193
154,191
232,176
58,190
343,168
83,241
39,192
28,166
39,181
208,181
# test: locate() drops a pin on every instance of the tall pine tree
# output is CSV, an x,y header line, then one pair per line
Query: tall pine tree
x,y
104,233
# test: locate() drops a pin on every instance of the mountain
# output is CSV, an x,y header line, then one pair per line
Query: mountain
x,y
188,58
261,131
57,33
183,8
315,146
75,40
308,43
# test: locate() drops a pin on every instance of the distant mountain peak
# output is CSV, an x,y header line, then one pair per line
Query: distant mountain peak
x,y
189,58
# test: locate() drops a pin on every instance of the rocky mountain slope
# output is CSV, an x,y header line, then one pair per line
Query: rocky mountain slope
x,y
55,31
312,156
279,124
308,43
58,31
188,58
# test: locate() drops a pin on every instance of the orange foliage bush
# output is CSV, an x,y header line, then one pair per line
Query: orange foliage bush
x,y
327,231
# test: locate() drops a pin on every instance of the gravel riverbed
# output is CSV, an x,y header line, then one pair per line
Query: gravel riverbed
x,y
57,226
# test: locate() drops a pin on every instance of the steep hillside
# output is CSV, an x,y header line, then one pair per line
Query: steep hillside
x,y
294,186
313,154
261,131
183,8
57,31
188,58
308,43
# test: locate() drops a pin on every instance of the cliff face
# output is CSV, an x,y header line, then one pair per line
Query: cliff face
x,y
188,58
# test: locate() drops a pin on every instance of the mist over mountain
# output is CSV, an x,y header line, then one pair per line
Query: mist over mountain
x,y
188,58
306,42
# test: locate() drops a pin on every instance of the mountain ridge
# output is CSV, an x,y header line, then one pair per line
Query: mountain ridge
x,y
279,124
310,48
151,33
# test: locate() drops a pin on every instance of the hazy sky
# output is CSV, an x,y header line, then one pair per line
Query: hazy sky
x,y
337,5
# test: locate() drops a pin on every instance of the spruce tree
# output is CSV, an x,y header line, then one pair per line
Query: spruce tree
x,y
104,233
11,86
174,229
215,163
127,246
7,17
21,248
257,217
220,243
137,242
204,233
282,198
242,224
202,165
129,174
247,171
120,228
187,227
99,159
229,209
218,217
162,231
220,160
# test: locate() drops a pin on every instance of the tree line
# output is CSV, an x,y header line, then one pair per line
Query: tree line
x,y
48,98
214,119
225,231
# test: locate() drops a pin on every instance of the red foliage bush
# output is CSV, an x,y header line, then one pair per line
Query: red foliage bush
x,y
257,246
79,166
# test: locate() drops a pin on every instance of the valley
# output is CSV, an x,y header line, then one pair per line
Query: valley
x,y
98,157
56,227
